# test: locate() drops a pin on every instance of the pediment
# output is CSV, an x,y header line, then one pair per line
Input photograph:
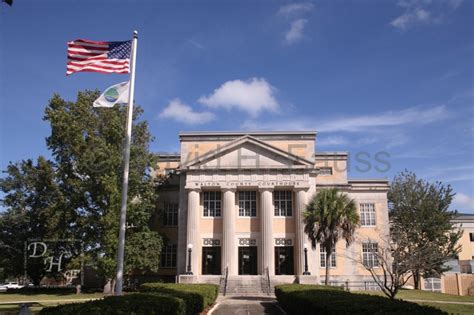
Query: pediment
x,y
248,153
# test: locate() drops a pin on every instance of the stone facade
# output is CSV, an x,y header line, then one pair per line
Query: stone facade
x,y
239,200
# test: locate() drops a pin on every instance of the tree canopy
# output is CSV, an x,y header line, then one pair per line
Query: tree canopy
x,y
421,218
77,193
330,215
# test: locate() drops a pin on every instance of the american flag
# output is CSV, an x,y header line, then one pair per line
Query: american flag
x,y
105,57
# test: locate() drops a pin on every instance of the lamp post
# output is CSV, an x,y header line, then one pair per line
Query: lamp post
x,y
306,272
190,249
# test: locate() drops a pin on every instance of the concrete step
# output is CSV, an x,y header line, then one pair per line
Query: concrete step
x,y
245,285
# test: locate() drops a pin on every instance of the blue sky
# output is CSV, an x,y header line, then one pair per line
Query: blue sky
x,y
369,76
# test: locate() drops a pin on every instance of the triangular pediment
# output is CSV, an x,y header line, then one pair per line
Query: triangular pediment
x,y
248,152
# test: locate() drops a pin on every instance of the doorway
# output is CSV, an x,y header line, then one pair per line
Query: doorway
x,y
284,260
211,260
248,260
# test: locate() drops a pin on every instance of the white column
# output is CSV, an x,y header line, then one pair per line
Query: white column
x,y
300,203
266,230
229,259
193,230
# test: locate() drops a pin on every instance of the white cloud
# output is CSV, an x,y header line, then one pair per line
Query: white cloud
x,y
196,44
181,112
295,33
412,17
252,96
464,201
295,9
331,140
423,12
413,115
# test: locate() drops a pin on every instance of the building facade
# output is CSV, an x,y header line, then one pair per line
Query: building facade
x,y
233,202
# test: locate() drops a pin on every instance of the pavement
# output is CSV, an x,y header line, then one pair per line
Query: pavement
x,y
246,305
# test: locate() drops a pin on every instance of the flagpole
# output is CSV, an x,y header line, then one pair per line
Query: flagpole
x,y
126,163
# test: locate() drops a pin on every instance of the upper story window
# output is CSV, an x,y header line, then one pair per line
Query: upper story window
x,y
170,214
212,203
322,258
325,171
247,203
168,256
369,254
367,214
169,171
282,200
471,237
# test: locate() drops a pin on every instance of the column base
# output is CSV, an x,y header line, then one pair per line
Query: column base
x,y
307,279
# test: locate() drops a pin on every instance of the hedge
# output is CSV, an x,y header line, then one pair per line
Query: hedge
x,y
294,298
42,290
196,296
135,303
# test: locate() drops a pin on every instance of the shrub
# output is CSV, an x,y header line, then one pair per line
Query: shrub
x,y
43,290
332,300
135,303
196,296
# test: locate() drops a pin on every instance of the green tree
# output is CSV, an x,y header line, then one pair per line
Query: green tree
x,y
329,216
87,145
34,210
419,212
82,199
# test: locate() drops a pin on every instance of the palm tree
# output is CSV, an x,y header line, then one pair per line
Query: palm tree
x,y
329,216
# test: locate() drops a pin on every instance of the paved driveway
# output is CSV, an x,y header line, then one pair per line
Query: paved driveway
x,y
247,305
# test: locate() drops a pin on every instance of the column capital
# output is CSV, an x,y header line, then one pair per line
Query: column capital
x,y
265,188
192,188
228,188
300,188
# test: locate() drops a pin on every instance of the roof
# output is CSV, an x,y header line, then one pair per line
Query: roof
x,y
244,140
242,133
463,217
231,135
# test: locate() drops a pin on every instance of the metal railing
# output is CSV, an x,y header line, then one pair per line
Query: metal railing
x,y
269,288
367,285
226,277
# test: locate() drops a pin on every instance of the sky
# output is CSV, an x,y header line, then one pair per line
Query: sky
x,y
388,81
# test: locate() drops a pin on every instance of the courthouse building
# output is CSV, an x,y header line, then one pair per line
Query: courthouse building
x,y
234,201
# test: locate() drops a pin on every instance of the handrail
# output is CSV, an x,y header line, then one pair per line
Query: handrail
x,y
225,279
269,288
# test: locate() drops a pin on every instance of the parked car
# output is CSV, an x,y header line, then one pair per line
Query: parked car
x,y
3,287
13,285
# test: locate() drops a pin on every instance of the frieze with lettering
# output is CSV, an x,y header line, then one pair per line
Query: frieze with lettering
x,y
283,242
247,242
211,242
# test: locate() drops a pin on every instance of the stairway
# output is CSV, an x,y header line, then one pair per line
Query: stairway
x,y
246,285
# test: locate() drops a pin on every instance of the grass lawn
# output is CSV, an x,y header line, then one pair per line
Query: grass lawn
x,y
433,296
453,308
424,295
40,300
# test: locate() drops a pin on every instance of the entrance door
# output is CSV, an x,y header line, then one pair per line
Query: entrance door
x,y
284,260
211,260
248,260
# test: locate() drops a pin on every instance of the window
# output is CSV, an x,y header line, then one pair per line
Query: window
x,y
212,203
168,256
369,257
283,203
471,237
247,203
322,255
367,214
325,171
170,214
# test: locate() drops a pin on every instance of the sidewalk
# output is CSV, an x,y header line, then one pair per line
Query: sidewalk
x,y
248,305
